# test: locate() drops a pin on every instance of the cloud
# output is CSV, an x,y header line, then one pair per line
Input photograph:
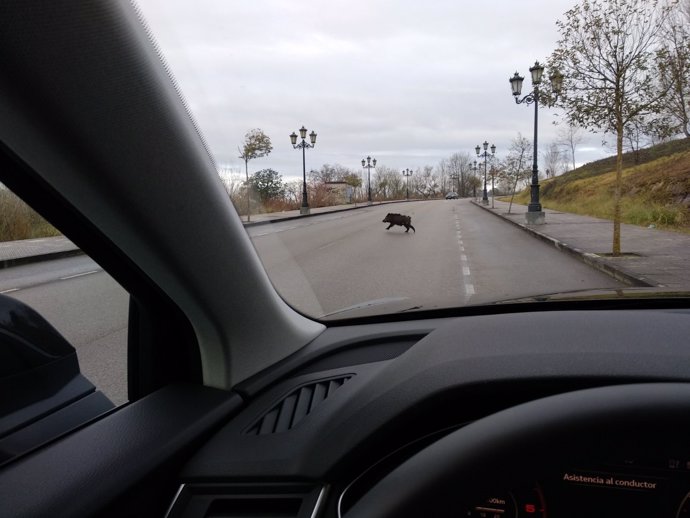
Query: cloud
x,y
412,82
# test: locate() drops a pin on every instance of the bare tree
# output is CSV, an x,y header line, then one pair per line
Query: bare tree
x,y
459,165
293,192
554,160
474,183
635,134
516,166
256,145
569,136
231,179
673,61
387,183
444,175
606,53
426,182
329,173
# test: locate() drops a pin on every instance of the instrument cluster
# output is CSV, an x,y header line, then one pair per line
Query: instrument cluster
x,y
630,488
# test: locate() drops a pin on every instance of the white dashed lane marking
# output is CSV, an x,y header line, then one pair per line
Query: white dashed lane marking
x,y
466,272
78,275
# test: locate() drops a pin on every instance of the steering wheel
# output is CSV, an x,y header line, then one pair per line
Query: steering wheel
x,y
518,443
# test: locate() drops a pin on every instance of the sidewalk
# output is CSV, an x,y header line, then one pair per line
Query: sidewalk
x,y
15,253
651,257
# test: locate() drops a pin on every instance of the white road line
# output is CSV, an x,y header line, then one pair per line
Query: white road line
x,y
78,275
10,290
466,273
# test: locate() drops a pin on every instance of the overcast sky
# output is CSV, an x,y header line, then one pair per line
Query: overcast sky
x,y
409,83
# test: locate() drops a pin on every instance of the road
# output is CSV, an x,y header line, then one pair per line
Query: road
x,y
87,307
323,265
459,255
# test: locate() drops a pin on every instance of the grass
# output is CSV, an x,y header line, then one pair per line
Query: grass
x,y
656,190
19,221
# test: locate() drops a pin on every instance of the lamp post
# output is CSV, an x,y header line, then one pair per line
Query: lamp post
x,y
474,170
407,173
368,164
535,215
493,176
304,209
485,154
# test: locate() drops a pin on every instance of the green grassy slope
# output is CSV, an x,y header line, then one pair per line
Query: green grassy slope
x,y
656,189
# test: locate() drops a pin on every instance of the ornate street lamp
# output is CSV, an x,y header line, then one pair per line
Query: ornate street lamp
x,y
407,173
304,209
368,164
474,170
485,154
535,215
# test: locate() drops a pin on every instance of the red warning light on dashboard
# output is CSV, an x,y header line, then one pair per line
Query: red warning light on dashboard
x,y
530,508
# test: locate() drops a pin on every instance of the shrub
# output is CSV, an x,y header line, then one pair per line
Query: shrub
x,y
19,221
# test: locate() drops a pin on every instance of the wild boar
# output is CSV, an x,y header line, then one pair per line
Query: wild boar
x,y
399,219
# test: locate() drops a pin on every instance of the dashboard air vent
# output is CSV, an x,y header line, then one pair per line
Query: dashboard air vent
x,y
297,405
219,500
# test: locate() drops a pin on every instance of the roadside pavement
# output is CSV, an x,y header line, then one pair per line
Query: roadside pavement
x,y
650,256
15,253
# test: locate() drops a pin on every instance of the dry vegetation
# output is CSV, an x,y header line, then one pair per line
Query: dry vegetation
x,y
656,189
19,221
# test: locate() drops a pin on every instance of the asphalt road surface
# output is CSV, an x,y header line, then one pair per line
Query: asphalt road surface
x,y
340,265
459,255
87,307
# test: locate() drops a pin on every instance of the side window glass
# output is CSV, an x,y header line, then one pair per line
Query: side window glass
x,y
46,271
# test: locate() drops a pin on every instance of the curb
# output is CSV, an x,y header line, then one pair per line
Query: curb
x,y
588,258
299,216
18,261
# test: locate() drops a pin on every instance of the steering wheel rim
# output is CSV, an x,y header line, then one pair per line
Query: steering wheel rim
x,y
521,441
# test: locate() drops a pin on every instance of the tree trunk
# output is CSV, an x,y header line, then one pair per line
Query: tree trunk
x,y
616,251
572,152
246,173
510,206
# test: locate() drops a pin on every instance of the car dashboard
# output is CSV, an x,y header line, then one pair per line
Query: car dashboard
x,y
325,426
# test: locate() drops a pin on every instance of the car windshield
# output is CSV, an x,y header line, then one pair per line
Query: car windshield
x,y
391,157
